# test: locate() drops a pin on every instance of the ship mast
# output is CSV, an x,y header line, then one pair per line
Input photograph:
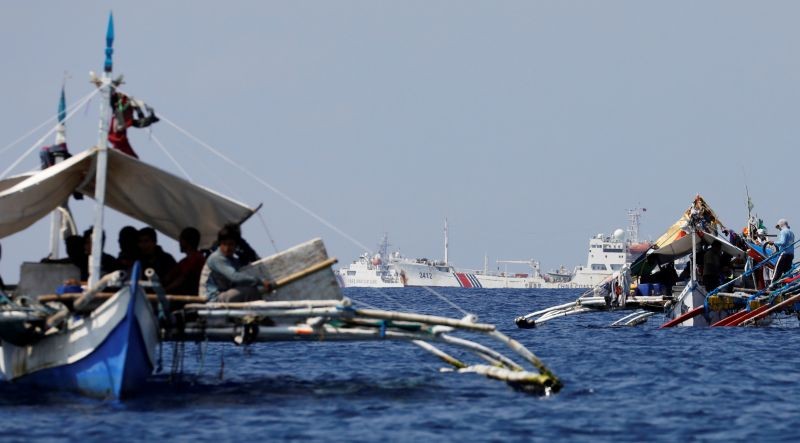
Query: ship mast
x,y
102,158
634,219
383,248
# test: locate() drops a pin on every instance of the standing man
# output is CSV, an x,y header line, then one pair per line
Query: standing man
x,y
784,243
712,266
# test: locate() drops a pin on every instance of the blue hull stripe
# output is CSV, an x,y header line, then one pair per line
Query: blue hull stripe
x,y
119,366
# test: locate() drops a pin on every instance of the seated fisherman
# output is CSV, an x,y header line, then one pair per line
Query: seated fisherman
x,y
184,279
128,247
244,252
107,262
152,256
75,254
221,279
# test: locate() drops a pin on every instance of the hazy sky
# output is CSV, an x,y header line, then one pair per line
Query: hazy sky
x,y
531,125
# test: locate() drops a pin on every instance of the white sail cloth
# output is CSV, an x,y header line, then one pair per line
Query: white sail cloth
x,y
152,196
683,246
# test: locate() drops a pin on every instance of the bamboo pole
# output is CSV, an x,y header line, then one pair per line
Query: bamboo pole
x,y
291,278
106,295
525,353
430,319
447,358
791,300
477,347
83,301
683,317
748,316
546,383
263,304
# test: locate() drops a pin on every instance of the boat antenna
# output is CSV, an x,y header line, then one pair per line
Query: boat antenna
x,y
445,242
102,157
634,221
61,138
750,205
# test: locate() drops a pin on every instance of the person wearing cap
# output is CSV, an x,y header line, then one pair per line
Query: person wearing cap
x,y
784,243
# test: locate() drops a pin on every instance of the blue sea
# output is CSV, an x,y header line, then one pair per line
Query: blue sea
x,y
620,384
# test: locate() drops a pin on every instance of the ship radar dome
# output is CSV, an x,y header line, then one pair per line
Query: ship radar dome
x,y
619,234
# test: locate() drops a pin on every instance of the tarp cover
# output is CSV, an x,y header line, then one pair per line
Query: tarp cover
x,y
152,196
683,247
676,242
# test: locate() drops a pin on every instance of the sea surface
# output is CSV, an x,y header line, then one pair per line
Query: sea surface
x,y
620,384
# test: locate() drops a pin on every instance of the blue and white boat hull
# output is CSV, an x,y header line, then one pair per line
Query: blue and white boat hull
x,y
108,353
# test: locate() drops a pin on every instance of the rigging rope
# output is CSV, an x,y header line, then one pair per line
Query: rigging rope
x,y
46,122
296,204
174,161
266,229
447,300
41,140
264,183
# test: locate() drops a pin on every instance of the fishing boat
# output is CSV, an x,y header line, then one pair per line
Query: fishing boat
x,y
100,337
650,285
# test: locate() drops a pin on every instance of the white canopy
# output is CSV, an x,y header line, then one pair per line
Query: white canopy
x,y
152,196
683,246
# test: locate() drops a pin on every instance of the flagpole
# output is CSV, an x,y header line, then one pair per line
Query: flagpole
x,y
61,138
102,160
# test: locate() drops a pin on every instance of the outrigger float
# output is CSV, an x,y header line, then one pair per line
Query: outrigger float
x,y
101,338
650,285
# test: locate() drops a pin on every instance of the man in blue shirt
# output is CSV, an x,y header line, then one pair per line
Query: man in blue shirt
x,y
785,243
221,279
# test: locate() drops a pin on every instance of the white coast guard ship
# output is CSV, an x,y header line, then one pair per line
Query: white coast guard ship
x,y
370,271
606,254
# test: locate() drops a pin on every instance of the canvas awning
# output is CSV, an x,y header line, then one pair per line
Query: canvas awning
x,y
148,194
676,242
683,247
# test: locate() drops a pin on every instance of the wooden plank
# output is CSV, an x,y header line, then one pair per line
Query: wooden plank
x,y
319,285
683,317
749,315
733,317
791,300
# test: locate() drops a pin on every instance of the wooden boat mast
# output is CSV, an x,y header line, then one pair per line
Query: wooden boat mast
x,y
102,159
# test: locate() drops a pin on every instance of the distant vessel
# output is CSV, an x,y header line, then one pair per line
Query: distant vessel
x,y
425,272
370,272
607,254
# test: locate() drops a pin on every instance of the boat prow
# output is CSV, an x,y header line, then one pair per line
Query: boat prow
x,y
106,354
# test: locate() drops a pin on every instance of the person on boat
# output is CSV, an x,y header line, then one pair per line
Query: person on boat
x,y
244,252
222,280
127,112
784,243
2,284
107,262
128,247
75,254
184,279
667,276
152,255
712,266
686,273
